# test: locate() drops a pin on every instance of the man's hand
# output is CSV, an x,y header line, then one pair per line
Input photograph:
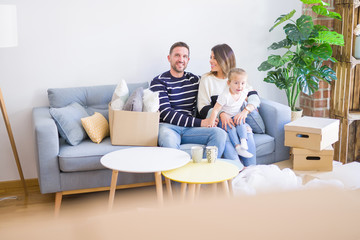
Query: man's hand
x,y
208,123
226,120
241,116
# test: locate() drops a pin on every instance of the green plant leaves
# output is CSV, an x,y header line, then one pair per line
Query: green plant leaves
x,y
315,1
323,51
279,78
320,10
301,68
282,19
327,74
332,38
286,43
300,31
277,60
264,66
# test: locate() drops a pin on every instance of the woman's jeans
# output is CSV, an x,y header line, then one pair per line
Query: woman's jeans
x,y
230,152
172,136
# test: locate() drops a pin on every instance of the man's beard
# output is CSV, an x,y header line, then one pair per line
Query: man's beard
x,y
174,67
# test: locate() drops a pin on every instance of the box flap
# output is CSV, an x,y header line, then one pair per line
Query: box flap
x,y
302,151
313,125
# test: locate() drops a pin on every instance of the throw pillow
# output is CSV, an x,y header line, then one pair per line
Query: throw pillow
x,y
68,121
150,101
96,127
255,121
135,101
120,95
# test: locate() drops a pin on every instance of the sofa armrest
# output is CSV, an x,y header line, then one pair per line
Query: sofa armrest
x,y
47,146
275,116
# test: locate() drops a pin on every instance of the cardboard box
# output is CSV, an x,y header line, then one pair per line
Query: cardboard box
x,y
312,133
133,128
310,160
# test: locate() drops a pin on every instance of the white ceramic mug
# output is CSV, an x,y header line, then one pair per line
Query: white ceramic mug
x,y
211,153
197,154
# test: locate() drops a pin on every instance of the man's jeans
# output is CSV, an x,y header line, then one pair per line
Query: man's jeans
x,y
173,136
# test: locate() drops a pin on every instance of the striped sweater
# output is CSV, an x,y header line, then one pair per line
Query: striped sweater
x,y
177,98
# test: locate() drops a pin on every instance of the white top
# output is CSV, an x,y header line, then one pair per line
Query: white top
x,y
212,86
229,104
145,159
209,86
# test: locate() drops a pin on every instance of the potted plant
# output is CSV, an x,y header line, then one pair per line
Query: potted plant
x,y
307,46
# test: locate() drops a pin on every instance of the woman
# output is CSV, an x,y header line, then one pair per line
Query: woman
x,y
212,84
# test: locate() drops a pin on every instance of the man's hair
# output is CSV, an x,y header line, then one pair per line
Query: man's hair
x,y
225,57
179,44
233,71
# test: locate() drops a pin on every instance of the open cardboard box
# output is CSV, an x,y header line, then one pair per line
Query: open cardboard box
x,y
133,128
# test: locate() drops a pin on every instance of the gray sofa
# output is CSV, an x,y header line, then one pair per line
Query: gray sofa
x,y
65,169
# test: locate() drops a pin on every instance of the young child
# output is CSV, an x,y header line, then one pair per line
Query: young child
x,y
230,101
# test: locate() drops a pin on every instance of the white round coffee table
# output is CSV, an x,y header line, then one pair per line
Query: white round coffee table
x,y
143,160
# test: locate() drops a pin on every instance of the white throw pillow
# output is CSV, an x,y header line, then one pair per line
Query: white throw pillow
x,y
150,101
120,95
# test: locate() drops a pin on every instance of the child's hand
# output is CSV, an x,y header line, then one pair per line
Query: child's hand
x,y
240,117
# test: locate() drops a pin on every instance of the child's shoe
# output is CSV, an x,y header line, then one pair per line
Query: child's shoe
x,y
242,152
244,144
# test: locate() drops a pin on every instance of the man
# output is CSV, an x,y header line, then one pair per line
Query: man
x,y
178,93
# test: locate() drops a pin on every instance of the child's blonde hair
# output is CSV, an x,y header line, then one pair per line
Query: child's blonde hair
x,y
239,71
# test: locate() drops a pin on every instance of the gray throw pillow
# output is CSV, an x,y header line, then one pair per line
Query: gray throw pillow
x,y
68,121
135,101
255,121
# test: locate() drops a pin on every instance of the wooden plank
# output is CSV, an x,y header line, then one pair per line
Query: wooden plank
x,y
357,144
337,144
347,88
351,139
348,26
338,29
344,140
356,92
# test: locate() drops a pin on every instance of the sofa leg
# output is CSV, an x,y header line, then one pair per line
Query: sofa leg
x,y
58,198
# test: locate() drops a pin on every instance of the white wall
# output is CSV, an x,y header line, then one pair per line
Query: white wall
x,y
67,43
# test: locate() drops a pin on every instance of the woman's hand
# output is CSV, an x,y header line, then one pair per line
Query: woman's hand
x,y
226,120
241,116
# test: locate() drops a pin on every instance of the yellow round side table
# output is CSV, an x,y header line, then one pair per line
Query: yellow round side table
x,y
196,174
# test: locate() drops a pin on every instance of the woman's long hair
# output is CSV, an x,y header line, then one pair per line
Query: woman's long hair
x,y
225,57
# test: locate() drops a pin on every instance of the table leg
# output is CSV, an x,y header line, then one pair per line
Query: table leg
x,y
197,191
231,187
159,186
214,189
114,178
183,191
191,192
168,188
226,188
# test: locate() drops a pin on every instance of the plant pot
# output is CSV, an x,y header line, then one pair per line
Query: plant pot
x,y
357,47
296,114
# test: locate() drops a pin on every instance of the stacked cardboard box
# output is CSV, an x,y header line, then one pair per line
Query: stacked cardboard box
x,y
311,139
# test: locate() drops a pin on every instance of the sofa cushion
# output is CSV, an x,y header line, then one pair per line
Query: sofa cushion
x,y
85,156
96,127
265,144
68,122
135,101
93,99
